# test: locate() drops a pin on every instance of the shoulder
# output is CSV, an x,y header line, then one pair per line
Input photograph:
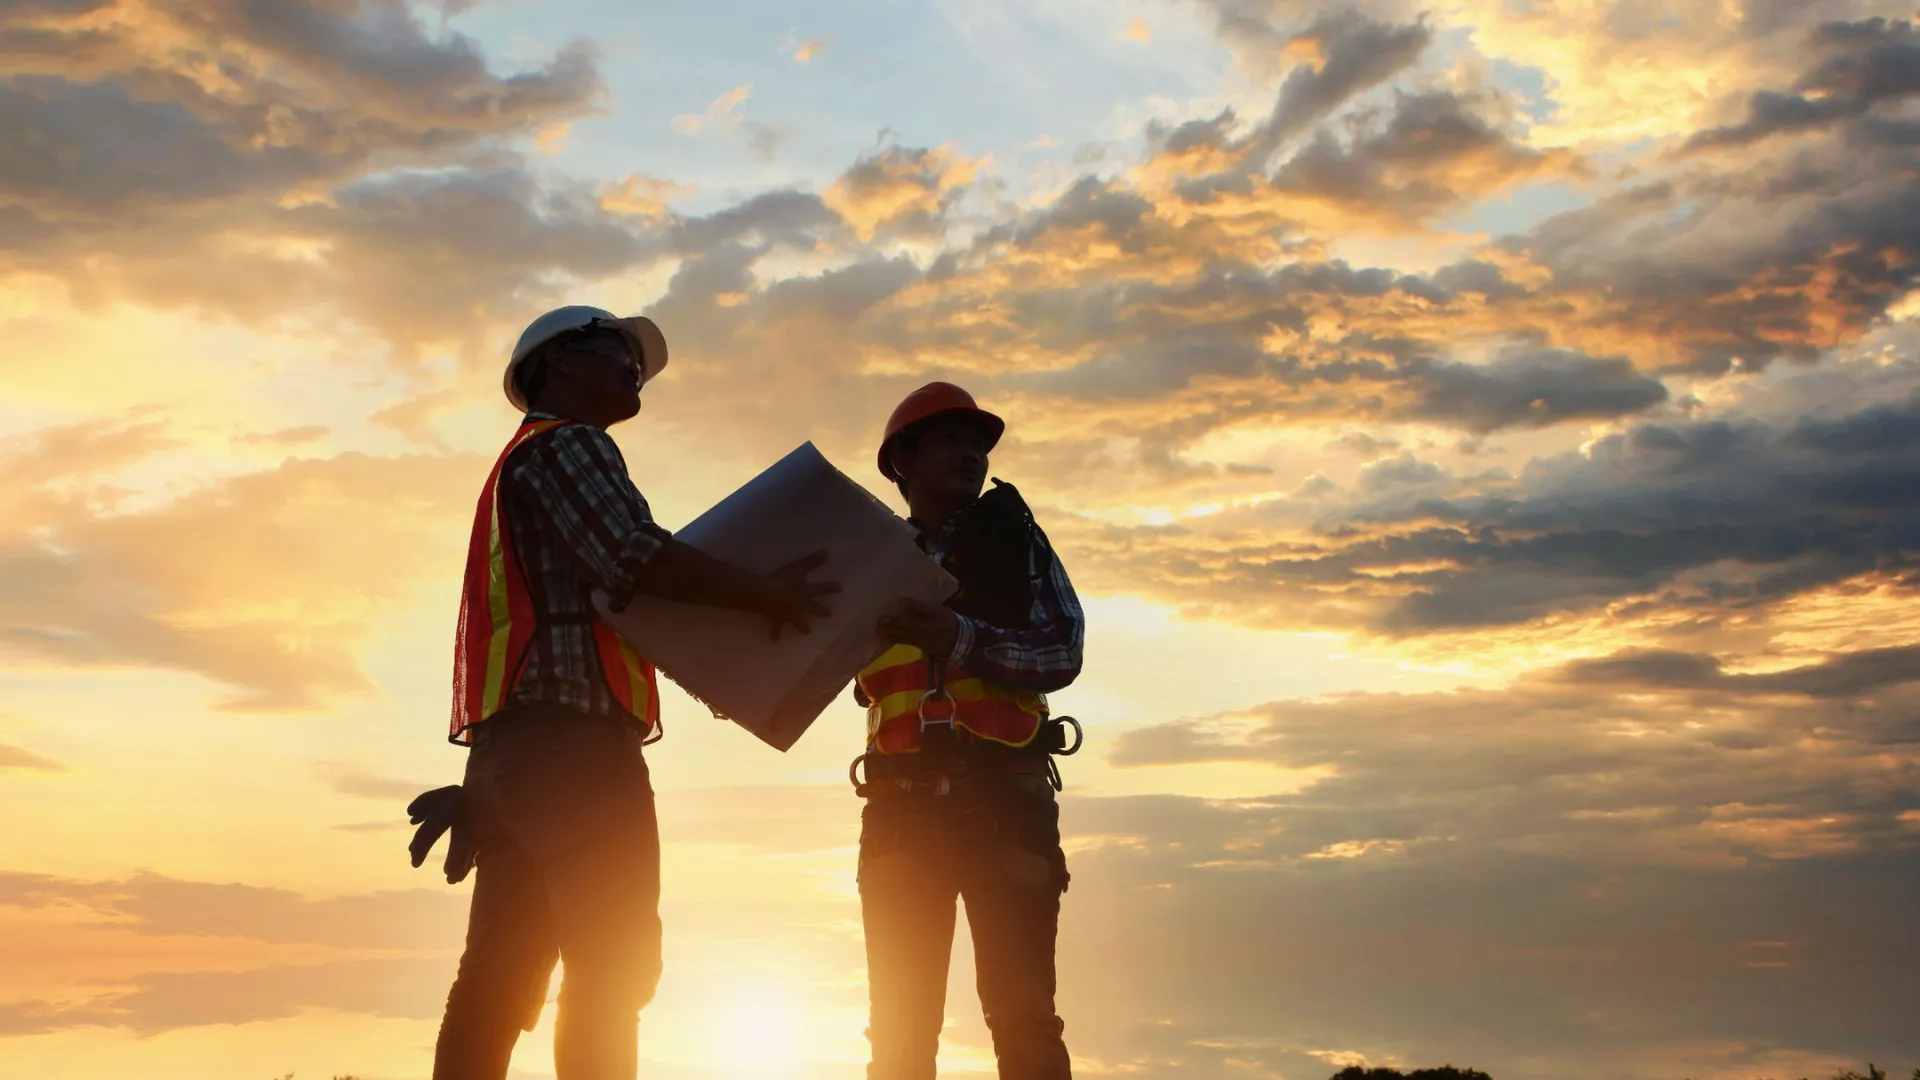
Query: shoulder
x,y
576,447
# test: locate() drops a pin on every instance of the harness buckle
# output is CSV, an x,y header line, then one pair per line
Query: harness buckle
x,y
953,709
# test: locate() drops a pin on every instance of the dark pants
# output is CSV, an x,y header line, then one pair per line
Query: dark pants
x,y
568,868
998,851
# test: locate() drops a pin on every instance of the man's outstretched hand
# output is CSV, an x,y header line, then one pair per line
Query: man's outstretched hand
x,y
792,599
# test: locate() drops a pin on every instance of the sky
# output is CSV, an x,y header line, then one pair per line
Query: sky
x,y
1485,435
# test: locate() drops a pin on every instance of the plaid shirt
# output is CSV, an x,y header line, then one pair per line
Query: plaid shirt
x,y
577,523
1043,659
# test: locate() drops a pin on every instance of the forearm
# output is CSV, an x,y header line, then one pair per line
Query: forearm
x,y
1044,659
683,573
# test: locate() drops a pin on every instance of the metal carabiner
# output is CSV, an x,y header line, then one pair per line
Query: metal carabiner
x,y
1079,736
860,787
953,708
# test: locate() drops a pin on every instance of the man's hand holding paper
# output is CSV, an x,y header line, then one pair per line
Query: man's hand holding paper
x,y
931,627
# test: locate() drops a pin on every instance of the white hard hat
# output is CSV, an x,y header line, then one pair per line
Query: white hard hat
x,y
648,342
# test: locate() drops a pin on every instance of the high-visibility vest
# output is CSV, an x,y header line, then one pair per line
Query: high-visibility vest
x,y
897,687
497,620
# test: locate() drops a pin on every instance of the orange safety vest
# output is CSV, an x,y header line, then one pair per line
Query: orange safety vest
x,y
898,682
497,621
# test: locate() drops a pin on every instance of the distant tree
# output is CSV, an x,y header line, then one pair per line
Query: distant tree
x,y
1873,1072
1442,1073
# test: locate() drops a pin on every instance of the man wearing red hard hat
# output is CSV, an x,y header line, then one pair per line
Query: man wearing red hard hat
x,y
958,773
556,809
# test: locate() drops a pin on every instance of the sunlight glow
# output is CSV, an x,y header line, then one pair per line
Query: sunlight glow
x,y
757,1031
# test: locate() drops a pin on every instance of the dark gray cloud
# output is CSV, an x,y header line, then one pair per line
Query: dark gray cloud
x,y
1355,54
1435,154
1710,517
1862,65
1534,389
349,130
1850,674
102,124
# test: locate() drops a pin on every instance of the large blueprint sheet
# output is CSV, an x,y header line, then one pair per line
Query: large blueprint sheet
x,y
724,658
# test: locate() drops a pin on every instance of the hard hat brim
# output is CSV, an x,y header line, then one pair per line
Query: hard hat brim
x,y
995,426
649,344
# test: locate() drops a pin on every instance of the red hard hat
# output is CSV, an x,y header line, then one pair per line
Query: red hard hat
x,y
931,400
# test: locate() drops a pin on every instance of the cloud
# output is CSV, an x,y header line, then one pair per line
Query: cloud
x,y
260,145
127,124
801,49
23,760
242,580
905,188
1532,877
1534,389
1862,65
1137,30
721,112
410,989
1708,519
1435,155
351,781
158,905
640,195
1350,54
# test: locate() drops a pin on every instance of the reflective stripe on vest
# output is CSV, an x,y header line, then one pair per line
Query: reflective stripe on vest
x,y
497,620
898,681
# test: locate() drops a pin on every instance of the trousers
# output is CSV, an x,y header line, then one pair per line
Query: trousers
x,y
568,869
997,851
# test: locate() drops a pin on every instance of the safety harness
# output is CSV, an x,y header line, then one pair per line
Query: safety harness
x,y
999,529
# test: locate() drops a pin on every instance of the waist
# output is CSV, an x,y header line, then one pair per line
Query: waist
x,y
948,753
527,721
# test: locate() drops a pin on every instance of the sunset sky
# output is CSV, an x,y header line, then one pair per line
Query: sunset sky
x,y
1485,434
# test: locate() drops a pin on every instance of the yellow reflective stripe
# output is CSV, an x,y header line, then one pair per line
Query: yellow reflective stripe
x,y
497,607
894,657
967,689
498,602
639,691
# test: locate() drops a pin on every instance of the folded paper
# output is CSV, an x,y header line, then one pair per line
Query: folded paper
x,y
725,659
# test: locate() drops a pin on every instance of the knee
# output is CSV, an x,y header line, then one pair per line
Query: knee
x,y
615,986
501,994
1031,1047
1026,1026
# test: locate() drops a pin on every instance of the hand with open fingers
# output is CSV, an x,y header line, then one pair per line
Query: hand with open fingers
x,y
793,599
932,627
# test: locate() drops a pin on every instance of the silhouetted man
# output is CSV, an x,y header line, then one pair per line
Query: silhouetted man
x,y
556,709
958,778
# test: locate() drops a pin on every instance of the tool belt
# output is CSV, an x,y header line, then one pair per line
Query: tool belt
x,y
951,756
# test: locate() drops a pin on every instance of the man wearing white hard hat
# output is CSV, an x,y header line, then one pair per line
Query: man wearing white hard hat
x,y
556,809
